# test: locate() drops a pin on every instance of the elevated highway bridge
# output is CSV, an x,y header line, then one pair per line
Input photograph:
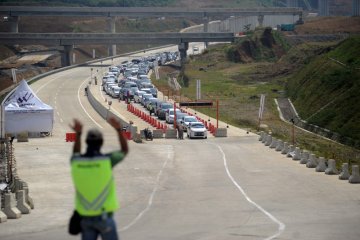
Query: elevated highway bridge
x,y
17,11
68,40
206,14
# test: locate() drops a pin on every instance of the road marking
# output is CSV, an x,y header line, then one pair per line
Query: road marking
x,y
50,81
80,89
152,195
274,219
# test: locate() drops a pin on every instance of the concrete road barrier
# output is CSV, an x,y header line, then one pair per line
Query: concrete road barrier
x,y
170,133
344,175
3,217
312,161
286,148
21,204
279,146
261,136
264,138
28,199
106,113
331,169
304,157
158,133
220,132
297,155
291,151
355,176
268,140
274,142
321,167
10,209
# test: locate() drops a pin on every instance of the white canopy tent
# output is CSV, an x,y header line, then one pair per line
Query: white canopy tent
x,y
25,112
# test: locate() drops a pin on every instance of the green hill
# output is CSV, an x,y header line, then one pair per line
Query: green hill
x,y
326,91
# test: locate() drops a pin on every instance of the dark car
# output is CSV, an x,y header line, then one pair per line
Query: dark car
x,y
161,110
126,92
149,86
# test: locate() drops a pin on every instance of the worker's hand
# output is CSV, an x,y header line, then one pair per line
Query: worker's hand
x,y
77,127
115,124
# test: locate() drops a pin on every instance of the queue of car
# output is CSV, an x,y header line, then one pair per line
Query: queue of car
x,y
130,82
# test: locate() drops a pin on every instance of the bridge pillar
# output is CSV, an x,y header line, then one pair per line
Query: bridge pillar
x,y
323,7
206,29
14,24
183,47
261,20
111,29
66,56
356,8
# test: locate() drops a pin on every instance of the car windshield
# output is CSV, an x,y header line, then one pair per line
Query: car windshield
x,y
190,119
167,106
171,111
197,125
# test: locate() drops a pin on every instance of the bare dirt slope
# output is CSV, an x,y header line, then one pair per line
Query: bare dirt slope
x,y
330,25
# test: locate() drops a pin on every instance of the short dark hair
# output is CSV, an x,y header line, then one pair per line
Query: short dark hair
x,y
94,137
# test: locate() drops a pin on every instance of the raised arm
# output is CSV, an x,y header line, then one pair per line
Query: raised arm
x,y
77,127
122,140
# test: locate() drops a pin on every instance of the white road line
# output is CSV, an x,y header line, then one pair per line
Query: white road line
x,y
80,89
150,202
38,90
274,219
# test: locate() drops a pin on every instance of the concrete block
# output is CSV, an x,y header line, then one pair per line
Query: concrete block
x,y
297,155
261,136
22,137
28,199
280,146
286,148
331,169
10,209
274,142
21,204
355,176
321,167
344,175
291,151
3,217
221,132
264,138
268,140
158,133
304,157
311,162
170,133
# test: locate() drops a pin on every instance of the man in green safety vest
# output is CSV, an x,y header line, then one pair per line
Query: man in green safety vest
x,y
94,183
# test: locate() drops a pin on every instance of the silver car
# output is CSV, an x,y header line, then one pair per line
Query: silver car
x,y
196,130
186,120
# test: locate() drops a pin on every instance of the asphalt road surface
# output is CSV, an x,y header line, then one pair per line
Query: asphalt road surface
x,y
219,188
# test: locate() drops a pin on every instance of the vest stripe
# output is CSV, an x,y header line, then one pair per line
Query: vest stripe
x,y
98,201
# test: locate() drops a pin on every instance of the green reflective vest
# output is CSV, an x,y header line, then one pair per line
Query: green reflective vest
x,y
94,184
